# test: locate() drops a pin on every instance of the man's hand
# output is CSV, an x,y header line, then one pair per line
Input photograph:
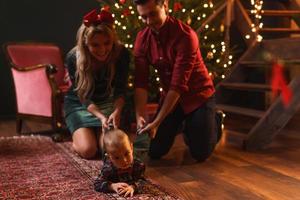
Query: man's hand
x,y
140,123
151,128
127,191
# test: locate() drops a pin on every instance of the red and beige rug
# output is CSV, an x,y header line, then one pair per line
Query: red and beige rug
x,y
34,167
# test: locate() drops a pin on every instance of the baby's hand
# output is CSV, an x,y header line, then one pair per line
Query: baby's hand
x,y
127,191
118,187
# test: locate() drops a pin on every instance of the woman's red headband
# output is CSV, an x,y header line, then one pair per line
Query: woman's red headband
x,y
95,18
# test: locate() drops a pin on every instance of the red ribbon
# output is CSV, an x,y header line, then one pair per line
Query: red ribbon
x,y
93,18
278,83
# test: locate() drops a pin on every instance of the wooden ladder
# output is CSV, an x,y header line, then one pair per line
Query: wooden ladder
x,y
246,89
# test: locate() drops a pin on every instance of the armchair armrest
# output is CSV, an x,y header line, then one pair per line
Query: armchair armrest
x,y
50,67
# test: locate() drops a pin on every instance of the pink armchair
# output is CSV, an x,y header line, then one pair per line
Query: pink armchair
x,y
38,74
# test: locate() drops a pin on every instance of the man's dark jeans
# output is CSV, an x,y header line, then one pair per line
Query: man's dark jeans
x,y
200,129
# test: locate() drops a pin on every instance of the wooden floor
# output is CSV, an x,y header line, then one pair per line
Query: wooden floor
x,y
230,173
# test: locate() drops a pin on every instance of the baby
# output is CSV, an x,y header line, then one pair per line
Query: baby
x,y
120,172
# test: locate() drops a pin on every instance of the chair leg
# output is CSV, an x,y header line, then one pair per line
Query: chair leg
x,y
57,135
19,123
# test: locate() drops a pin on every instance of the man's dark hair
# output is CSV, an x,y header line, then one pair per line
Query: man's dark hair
x,y
141,2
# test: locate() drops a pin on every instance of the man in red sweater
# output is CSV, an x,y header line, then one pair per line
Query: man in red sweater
x,y
172,47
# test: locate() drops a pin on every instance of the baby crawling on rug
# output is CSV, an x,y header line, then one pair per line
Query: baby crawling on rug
x,y
120,172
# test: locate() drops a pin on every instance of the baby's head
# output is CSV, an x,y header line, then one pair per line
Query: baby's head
x,y
118,148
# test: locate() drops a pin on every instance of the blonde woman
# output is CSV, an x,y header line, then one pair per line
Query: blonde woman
x,y
98,69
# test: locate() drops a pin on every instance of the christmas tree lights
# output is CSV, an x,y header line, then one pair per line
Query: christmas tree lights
x,y
193,13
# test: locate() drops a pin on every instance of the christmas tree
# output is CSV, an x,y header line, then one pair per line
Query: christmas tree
x,y
192,12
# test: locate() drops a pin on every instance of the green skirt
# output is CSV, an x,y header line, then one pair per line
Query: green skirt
x,y
77,116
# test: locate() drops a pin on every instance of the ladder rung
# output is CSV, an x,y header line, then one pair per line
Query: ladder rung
x,y
266,64
278,12
240,110
237,134
247,86
279,30
255,64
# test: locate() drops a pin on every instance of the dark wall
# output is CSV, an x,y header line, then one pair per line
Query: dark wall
x,y
54,21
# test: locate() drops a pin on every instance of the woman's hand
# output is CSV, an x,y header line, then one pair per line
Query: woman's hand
x,y
114,118
104,123
92,108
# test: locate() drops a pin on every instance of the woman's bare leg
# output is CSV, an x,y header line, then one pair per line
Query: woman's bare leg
x,y
85,142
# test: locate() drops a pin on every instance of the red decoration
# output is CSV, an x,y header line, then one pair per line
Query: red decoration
x,y
94,18
278,83
106,8
122,1
177,6
126,12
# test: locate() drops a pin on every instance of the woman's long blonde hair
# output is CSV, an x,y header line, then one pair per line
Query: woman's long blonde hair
x,y
85,83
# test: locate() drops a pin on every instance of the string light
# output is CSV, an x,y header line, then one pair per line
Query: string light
x,y
259,38
258,5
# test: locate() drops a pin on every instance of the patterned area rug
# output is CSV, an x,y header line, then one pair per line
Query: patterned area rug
x,y
34,167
